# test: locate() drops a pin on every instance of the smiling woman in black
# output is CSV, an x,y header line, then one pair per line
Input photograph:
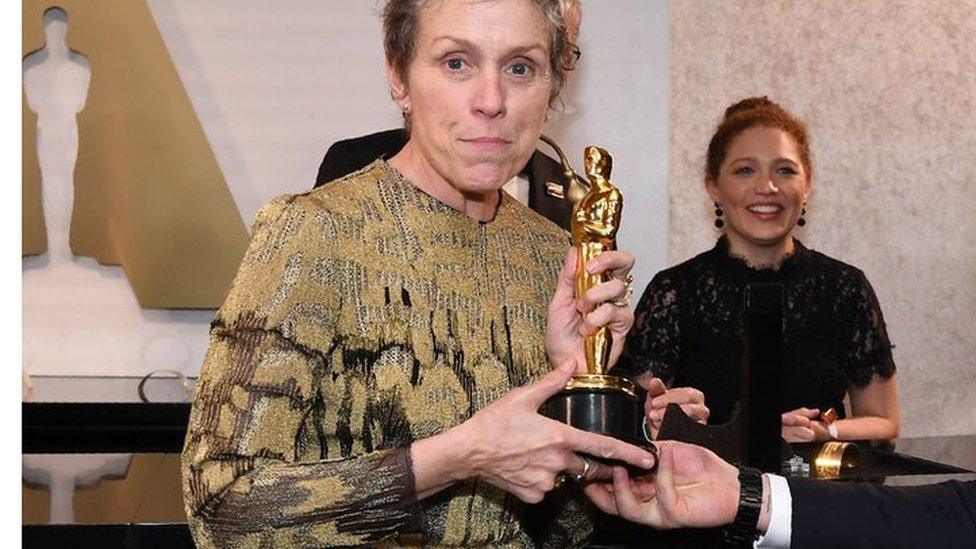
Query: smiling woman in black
x,y
688,328
689,321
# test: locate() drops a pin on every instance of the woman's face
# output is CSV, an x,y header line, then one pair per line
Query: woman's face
x,y
477,89
762,187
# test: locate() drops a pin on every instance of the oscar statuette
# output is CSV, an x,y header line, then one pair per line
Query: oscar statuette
x,y
597,401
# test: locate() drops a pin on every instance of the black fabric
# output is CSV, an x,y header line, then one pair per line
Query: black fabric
x,y
349,155
835,514
688,329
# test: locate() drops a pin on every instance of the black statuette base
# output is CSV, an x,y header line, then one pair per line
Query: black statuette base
x,y
610,412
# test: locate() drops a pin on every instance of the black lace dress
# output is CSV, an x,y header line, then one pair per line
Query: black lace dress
x,y
688,329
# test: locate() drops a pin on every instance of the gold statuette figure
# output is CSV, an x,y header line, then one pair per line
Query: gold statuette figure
x,y
595,221
597,401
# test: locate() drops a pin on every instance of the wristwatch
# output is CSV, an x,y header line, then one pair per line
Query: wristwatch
x,y
743,529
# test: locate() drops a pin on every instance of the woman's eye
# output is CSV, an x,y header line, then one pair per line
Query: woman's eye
x,y
455,64
520,69
787,170
744,170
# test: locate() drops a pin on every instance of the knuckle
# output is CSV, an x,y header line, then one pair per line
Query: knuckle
x,y
566,461
532,496
560,438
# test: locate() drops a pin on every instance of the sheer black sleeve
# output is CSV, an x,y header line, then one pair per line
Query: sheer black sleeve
x,y
862,337
652,344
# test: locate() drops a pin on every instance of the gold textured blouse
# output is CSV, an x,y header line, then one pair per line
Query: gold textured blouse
x,y
365,315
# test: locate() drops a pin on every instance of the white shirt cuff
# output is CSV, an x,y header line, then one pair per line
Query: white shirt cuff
x,y
780,529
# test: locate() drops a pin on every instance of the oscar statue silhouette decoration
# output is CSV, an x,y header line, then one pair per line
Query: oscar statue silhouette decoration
x,y
598,401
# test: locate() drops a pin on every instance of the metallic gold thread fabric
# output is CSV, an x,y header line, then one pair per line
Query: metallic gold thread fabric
x,y
366,315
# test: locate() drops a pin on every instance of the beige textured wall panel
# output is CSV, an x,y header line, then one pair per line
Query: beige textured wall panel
x,y
148,192
888,89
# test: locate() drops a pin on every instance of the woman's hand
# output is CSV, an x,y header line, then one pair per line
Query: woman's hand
x,y
691,400
509,445
571,319
803,425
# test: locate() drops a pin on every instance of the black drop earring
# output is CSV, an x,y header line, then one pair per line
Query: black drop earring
x,y
801,222
718,216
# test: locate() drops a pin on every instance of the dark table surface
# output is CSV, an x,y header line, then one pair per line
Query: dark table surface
x,y
114,491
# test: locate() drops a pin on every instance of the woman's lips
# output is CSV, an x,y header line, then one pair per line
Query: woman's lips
x,y
765,212
487,143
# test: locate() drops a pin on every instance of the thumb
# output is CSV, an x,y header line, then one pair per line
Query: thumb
x,y
566,282
654,386
549,384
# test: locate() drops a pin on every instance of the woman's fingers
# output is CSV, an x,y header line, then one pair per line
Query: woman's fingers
x,y
617,319
609,448
697,412
795,420
798,434
604,292
617,263
656,416
810,413
691,400
653,385
679,395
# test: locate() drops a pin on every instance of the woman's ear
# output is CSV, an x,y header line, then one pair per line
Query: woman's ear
x,y
398,87
712,188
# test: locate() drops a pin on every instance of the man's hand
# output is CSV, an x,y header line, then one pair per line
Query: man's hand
x,y
691,488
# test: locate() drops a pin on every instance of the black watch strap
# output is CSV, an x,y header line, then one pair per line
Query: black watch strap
x,y
743,531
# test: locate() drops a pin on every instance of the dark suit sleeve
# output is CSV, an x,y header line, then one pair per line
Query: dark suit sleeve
x,y
349,155
835,514
336,163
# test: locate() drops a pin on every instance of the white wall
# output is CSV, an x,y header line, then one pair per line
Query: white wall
x,y
274,84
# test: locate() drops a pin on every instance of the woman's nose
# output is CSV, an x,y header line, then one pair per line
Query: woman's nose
x,y
765,184
489,99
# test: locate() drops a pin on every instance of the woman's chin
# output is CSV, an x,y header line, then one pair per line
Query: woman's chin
x,y
483,180
768,240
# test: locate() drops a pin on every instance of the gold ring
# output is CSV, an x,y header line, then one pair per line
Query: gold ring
x,y
586,469
625,301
